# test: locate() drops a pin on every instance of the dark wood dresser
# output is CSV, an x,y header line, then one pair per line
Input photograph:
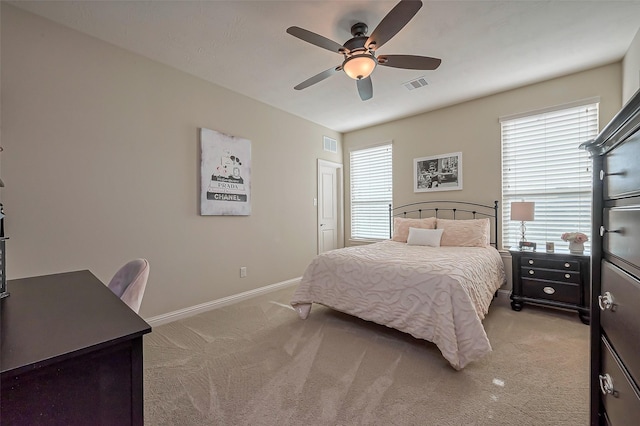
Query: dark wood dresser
x,y
559,279
71,354
615,286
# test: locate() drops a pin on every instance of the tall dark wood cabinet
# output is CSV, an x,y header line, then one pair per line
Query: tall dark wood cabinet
x,y
615,270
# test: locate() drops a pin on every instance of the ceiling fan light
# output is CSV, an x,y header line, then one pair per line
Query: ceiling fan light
x,y
359,66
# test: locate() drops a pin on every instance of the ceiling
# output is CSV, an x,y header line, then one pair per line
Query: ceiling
x,y
485,46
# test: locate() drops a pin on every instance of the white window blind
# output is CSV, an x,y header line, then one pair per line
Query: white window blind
x,y
542,162
371,192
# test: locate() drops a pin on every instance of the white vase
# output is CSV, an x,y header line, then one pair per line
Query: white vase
x,y
576,247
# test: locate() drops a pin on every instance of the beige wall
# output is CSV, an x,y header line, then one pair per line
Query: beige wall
x,y
473,128
101,165
631,69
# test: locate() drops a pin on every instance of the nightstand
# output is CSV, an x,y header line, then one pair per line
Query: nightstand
x,y
559,280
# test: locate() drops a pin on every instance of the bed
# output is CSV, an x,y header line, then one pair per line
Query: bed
x,y
434,278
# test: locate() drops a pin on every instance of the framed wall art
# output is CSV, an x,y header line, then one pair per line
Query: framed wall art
x,y
225,174
438,173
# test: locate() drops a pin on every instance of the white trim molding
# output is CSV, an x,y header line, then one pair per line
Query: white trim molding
x,y
588,101
218,303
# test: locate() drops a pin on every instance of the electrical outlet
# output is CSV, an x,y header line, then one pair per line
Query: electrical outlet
x,y
243,272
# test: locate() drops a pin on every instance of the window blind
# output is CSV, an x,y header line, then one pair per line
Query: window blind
x,y
542,162
371,192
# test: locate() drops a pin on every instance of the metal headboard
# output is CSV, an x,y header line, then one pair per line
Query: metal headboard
x,y
424,207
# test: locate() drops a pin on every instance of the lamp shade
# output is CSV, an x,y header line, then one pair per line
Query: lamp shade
x,y
522,210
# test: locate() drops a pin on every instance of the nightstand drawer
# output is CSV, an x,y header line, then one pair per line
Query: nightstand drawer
x,y
551,275
562,265
550,290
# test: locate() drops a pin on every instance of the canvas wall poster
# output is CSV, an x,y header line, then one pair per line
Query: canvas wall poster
x,y
225,174
438,173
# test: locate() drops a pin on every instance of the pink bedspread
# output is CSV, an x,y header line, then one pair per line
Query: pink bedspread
x,y
440,294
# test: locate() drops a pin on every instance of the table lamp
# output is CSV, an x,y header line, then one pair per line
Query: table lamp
x,y
524,212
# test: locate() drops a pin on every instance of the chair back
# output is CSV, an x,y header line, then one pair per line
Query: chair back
x,y
130,281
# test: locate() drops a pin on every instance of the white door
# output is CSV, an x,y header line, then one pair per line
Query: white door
x,y
330,224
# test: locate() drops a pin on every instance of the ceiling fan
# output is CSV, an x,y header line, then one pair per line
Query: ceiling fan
x,y
360,51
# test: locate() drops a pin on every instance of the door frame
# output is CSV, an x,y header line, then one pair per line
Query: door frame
x,y
339,200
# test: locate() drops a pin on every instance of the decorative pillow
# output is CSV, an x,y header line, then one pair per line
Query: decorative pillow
x,y
401,226
424,237
465,233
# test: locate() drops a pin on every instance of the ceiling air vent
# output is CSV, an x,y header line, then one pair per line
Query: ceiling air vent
x,y
416,84
330,145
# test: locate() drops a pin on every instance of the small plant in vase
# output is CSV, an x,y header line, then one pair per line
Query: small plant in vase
x,y
576,241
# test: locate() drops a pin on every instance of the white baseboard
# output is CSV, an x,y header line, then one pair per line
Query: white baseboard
x,y
219,303
504,293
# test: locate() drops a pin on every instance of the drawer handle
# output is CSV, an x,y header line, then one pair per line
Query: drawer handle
x,y
605,301
606,384
603,174
603,231
567,276
567,265
531,272
549,290
530,261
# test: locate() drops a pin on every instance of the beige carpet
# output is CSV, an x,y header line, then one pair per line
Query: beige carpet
x,y
257,363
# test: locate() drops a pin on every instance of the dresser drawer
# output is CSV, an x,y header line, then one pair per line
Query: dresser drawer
x,y
621,176
619,319
562,265
551,275
619,395
622,232
550,290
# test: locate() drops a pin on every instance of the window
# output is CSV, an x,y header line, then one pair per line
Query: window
x,y
542,162
371,192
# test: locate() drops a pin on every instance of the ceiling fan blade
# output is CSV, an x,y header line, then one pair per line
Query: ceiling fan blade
x,y
365,88
395,20
411,62
317,78
314,38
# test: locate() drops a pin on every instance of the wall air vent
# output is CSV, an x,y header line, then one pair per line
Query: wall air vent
x,y
330,145
416,84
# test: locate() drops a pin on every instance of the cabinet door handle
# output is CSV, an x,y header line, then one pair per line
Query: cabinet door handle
x,y
531,272
530,261
604,230
606,384
605,301
567,276
567,265
549,290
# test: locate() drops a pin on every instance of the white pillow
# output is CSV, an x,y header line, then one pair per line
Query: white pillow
x,y
424,237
